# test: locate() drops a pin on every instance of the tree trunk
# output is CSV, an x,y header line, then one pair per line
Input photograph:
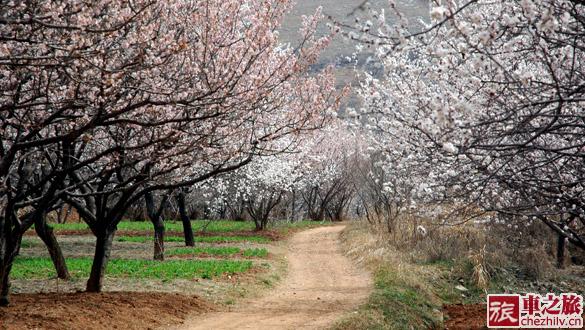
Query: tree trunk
x,y
103,247
9,248
261,212
48,237
158,224
319,215
187,228
60,213
260,224
293,206
64,213
159,239
10,241
257,212
561,251
5,285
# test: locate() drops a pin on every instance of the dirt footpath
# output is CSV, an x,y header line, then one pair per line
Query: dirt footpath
x,y
321,286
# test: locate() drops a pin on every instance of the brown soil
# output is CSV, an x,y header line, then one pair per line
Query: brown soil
x,y
113,310
321,286
465,317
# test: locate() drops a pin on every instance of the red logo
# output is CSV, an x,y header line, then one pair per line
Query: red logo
x,y
503,311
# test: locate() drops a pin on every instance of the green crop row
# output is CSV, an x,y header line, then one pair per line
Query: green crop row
x,y
200,239
40,268
218,251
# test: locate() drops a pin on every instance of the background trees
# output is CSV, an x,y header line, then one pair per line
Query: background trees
x,y
103,104
311,180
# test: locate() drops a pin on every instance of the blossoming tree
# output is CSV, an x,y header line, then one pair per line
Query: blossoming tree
x,y
118,100
487,97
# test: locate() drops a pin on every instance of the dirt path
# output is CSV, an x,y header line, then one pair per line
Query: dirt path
x,y
320,287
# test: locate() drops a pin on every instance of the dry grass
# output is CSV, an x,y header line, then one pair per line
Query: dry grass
x,y
488,249
480,276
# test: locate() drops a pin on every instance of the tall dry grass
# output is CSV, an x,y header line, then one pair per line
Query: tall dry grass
x,y
489,248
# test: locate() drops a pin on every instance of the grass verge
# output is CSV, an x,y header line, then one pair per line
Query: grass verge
x,y
40,268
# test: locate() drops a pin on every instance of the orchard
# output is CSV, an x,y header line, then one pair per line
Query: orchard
x,y
188,138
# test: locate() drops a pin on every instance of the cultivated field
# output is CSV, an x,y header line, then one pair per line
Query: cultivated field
x,y
229,261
